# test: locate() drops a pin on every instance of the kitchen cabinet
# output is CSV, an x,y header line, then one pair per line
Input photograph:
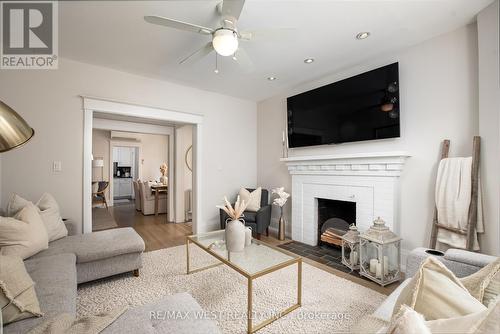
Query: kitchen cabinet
x,y
122,187
125,156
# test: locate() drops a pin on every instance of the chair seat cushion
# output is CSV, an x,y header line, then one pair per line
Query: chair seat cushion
x,y
97,245
249,216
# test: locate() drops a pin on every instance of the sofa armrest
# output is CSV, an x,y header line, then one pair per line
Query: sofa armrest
x,y
263,218
462,263
467,257
223,216
70,226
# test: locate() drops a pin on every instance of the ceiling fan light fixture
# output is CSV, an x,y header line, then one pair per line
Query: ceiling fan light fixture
x,y
225,42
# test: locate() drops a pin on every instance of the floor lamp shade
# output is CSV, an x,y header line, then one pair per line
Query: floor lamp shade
x,y
14,131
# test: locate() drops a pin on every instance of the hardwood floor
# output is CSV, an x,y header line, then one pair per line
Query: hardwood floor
x,y
157,234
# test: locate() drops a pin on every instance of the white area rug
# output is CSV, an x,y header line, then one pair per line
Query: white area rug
x,y
330,304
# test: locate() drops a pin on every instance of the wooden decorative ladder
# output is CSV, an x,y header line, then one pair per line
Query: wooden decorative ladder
x,y
472,217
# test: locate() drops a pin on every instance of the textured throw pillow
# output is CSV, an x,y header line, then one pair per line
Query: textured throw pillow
x,y
484,284
251,198
17,293
24,235
49,211
487,321
436,293
408,321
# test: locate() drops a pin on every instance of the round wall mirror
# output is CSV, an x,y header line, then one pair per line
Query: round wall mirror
x,y
189,158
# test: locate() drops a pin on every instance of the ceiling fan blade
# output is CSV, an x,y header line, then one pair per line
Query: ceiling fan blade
x,y
232,8
198,54
242,58
163,21
267,34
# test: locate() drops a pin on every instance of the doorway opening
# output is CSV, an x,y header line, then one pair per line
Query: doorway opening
x,y
151,164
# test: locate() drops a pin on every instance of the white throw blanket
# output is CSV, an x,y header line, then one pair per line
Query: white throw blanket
x,y
453,196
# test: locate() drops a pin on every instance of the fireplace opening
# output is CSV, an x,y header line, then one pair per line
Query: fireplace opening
x,y
334,218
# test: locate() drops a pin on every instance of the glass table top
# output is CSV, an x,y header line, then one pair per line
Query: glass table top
x,y
253,259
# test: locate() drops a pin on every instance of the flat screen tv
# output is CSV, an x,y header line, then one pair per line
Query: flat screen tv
x,y
363,107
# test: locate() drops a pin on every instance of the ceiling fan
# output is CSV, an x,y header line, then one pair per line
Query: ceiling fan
x,y
225,39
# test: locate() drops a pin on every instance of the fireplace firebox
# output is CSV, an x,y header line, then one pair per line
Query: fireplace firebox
x,y
334,218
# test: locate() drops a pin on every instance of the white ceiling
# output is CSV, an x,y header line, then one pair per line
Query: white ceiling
x,y
114,34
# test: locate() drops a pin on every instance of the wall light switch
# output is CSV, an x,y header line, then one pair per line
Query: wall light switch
x,y
56,166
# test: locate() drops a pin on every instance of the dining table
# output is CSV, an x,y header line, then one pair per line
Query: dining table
x,y
158,189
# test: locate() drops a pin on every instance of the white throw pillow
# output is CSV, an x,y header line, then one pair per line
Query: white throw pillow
x,y
436,293
252,199
49,211
408,321
24,235
51,216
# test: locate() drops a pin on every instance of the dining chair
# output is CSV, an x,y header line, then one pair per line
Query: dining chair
x,y
99,196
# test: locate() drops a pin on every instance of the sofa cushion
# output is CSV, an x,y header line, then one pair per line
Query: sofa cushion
x,y
179,313
96,246
55,286
17,291
23,235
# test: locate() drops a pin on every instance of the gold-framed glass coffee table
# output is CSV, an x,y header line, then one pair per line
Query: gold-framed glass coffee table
x,y
254,261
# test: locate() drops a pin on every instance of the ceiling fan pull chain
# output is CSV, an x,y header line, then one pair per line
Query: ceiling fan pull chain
x,y
216,71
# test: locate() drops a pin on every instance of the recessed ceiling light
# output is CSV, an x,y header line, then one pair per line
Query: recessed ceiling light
x,y
363,35
271,78
309,60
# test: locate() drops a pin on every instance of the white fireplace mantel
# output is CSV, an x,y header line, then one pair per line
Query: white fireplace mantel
x,y
367,164
371,180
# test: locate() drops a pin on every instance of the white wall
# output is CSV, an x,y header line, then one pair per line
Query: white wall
x,y
183,176
489,122
50,103
153,152
438,80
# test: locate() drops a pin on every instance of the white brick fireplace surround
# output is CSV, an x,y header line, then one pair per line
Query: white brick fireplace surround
x,y
370,180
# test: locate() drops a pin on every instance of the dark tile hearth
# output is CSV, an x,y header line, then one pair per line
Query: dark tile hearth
x,y
324,254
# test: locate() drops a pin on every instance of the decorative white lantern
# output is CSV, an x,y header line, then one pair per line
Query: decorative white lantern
x,y
350,248
380,254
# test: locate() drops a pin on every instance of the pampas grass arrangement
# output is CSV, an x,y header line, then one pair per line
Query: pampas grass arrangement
x,y
236,212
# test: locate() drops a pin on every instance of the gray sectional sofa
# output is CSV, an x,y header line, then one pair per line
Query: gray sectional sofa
x,y
85,257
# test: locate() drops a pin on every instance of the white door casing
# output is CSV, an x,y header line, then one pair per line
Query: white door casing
x,y
92,104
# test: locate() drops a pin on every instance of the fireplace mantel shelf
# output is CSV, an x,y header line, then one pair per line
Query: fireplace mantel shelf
x,y
376,155
361,164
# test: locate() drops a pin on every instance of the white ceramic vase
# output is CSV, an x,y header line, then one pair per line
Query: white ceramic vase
x,y
235,235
